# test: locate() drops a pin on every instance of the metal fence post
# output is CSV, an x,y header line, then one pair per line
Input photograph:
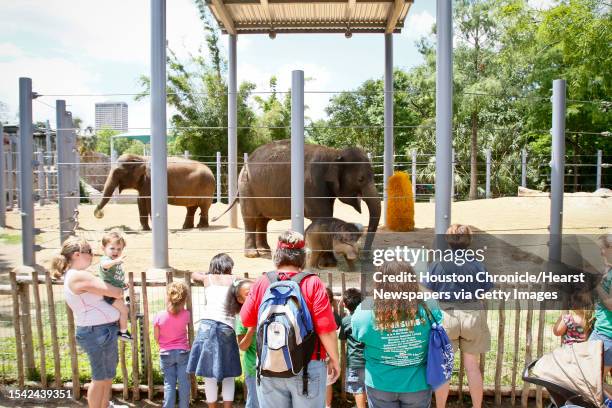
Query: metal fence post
x,y
10,174
488,175
444,114
414,173
17,164
42,189
453,175
599,165
218,177
48,152
524,168
557,169
26,172
297,151
2,176
159,149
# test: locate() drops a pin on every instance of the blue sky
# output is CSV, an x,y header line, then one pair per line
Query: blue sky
x,y
88,47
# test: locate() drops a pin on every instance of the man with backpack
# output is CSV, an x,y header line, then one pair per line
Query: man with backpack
x,y
296,330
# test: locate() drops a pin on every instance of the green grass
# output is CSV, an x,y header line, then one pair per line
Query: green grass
x,y
10,239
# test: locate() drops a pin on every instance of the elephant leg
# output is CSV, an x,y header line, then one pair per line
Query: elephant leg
x,y
204,216
313,259
143,212
188,224
261,238
250,228
328,260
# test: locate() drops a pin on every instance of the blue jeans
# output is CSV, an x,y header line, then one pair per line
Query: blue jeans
x,y
386,399
251,384
100,344
288,392
174,366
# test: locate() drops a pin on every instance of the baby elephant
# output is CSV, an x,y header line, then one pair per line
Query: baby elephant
x,y
325,237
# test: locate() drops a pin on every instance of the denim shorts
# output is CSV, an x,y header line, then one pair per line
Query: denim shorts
x,y
607,346
355,380
100,344
214,353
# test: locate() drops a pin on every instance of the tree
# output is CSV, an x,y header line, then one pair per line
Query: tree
x,y
274,123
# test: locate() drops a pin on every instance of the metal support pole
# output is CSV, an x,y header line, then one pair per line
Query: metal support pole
x,y
42,188
388,118
26,172
218,177
488,175
297,151
10,174
63,145
524,168
2,176
599,163
232,132
557,170
444,114
245,158
414,173
159,150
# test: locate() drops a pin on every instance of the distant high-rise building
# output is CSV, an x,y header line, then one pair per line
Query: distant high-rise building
x,y
113,115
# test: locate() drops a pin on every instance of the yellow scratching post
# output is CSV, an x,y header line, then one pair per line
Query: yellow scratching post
x,y
400,206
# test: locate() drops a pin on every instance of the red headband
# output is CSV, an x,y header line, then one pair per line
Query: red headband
x,y
285,245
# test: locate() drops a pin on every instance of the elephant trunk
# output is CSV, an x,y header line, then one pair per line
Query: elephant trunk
x,y
109,188
372,200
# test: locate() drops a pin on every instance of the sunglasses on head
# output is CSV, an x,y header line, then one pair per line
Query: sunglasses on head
x,y
86,251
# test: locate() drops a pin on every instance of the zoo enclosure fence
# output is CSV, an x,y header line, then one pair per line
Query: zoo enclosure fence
x,y
46,353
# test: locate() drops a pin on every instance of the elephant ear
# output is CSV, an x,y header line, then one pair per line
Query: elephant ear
x,y
332,176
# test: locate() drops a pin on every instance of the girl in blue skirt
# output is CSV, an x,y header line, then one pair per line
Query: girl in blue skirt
x,y
214,354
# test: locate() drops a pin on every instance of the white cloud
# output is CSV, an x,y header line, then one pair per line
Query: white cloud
x,y
53,75
418,24
10,51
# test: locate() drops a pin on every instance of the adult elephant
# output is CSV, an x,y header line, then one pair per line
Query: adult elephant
x,y
264,188
191,184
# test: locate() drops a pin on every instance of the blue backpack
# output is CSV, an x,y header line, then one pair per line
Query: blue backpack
x,y
285,332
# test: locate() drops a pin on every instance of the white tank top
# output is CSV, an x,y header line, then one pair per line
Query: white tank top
x,y
89,309
216,307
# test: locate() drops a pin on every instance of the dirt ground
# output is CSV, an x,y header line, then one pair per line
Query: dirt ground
x,y
192,249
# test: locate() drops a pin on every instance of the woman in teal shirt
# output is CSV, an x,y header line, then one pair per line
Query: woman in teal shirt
x,y
395,332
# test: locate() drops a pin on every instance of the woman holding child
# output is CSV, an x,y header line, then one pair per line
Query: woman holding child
x,y
96,320
395,334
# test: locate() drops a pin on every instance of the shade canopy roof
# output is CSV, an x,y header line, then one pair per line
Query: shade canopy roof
x,y
301,16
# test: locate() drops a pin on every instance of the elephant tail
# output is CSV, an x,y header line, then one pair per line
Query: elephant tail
x,y
228,208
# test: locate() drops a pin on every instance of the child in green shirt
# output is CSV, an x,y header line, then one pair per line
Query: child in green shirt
x,y
246,340
111,272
